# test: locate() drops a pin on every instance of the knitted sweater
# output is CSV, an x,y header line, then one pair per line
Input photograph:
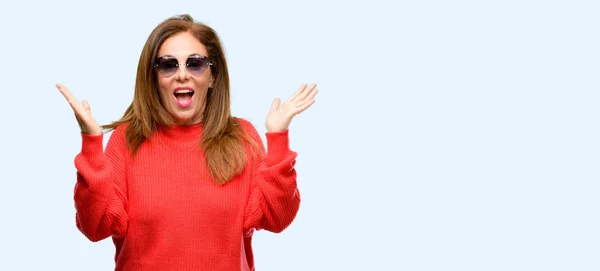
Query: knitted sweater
x,y
164,212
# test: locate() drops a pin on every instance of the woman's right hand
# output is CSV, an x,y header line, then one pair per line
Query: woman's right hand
x,y
82,111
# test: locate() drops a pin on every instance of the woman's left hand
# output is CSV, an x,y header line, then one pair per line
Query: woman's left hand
x,y
280,116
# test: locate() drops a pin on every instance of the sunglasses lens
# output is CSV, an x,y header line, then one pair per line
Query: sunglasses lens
x,y
167,66
197,65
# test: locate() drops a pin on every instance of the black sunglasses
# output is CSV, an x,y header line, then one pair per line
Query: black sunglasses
x,y
196,65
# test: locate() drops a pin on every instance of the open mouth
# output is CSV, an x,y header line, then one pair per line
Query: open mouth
x,y
183,96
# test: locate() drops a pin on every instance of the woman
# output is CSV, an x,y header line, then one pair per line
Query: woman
x,y
182,184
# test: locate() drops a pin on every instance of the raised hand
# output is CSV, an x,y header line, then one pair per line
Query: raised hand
x,y
82,111
280,116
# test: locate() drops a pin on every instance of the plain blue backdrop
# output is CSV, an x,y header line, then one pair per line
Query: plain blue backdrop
x,y
447,135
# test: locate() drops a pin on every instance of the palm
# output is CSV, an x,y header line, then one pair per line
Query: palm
x,y
281,114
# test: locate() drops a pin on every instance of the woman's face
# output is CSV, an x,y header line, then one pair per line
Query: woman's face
x,y
183,89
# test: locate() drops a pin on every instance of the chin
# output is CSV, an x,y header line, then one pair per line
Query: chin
x,y
185,118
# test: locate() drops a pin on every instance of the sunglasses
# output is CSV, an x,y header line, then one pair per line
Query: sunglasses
x,y
196,65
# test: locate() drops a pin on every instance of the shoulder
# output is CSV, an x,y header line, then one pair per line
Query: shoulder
x,y
246,126
250,134
119,132
117,142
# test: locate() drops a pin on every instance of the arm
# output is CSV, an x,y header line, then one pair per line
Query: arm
x,y
100,192
274,198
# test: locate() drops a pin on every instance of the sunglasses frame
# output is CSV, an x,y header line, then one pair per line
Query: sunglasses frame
x,y
157,63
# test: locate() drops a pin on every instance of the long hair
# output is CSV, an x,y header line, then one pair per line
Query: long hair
x,y
222,135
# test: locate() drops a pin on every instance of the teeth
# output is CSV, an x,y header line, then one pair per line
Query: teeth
x,y
183,91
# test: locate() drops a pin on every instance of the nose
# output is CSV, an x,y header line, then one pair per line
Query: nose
x,y
182,73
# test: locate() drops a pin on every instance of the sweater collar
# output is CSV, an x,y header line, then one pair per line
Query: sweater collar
x,y
182,132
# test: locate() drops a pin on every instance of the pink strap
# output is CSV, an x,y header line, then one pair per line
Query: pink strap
x,y
244,263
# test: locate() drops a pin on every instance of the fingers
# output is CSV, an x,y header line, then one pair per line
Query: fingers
x,y
307,95
312,94
86,106
82,112
303,106
65,92
300,96
307,99
300,90
70,98
275,104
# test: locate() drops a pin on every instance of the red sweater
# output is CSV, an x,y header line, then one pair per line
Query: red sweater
x,y
164,213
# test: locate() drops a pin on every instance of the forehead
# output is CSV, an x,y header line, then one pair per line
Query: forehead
x,y
182,45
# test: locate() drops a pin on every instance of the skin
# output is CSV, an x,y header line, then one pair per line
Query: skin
x,y
181,46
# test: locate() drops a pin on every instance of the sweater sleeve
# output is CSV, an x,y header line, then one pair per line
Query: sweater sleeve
x,y
100,191
274,198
